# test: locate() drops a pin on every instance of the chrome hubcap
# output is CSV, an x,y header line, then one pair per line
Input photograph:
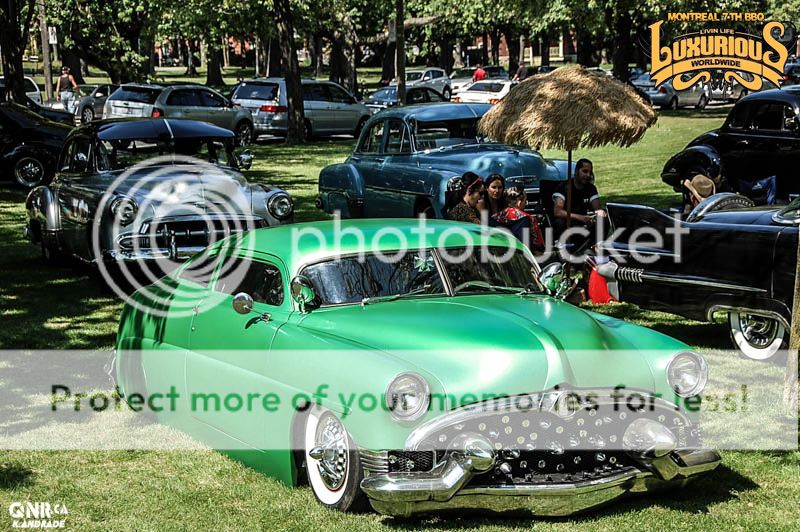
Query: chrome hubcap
x,y
87,115
29,171
330,451
244,135
758,330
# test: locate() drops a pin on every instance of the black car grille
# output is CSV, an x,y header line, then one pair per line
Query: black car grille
x,y
408,461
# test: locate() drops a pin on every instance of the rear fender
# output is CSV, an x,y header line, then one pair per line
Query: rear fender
x,y
341,188
42,209
686,164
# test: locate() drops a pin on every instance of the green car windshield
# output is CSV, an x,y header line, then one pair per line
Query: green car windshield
x,y
361,279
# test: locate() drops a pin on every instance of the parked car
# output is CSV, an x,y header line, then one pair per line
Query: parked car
x,y
461,78
490,92
387,97
791,74
545,69
328,108
31,89
433,78
93,100
760,138
733,91
666,97
29,144
55,115
731,259
163,209
297,320
188,102
406,156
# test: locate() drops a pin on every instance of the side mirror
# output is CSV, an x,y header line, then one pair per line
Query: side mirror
x,y
302,291
99,95
245,159
243,303
556,281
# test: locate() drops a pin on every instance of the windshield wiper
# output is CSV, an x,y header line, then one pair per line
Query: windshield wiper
x,y
394,297
489,286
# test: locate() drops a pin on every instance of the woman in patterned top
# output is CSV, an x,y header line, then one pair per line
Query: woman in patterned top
x,y
521,224
464,196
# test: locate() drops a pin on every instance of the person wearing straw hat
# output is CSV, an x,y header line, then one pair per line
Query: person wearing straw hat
x,y
700,188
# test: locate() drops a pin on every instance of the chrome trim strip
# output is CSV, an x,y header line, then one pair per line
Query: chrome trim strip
x,y
638,275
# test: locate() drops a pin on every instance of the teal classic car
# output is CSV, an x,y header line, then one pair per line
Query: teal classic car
x,y
433,371
406,156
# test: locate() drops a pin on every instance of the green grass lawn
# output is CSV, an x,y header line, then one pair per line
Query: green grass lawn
x,y
52,308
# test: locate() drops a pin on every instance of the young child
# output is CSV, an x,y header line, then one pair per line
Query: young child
x,y
516,219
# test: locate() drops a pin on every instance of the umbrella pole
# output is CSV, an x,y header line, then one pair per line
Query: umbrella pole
x,y
569,188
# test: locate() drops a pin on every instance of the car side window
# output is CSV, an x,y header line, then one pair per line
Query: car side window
x,y
212,100
66,157
433,96
768,117
178,98
80,156
789,119
339,95
428,75
29,85
739,116
316,92
373,139
416,96
262,281
398,140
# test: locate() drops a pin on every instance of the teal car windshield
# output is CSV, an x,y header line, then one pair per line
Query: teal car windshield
x,y
430,135
359,279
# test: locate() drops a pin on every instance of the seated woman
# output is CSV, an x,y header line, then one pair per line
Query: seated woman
x,y
463,196
522,225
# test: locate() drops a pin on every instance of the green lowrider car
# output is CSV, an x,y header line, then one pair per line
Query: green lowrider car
x,y
442,377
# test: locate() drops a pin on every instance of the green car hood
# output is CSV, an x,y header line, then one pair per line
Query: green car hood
x,y
497,344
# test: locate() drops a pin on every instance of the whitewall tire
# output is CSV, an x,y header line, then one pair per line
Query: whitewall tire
x,y
757,337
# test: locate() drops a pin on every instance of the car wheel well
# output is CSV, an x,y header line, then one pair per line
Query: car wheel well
x,y
296,438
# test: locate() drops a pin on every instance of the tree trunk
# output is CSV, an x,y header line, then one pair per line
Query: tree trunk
x,y
71,58
226,57
485,49
214,73
622,41
337,65
191,68
316,52
512,42
294,94
46,61
274,59
400,51
495,46
387,67
545,49
446,54
12,44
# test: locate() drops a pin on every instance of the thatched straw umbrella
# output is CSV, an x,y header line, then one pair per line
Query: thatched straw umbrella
x,y
567,109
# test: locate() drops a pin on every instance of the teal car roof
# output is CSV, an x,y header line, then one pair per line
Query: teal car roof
x,y
433,112
303,243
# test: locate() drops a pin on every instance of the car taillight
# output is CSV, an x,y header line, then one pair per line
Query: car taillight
x,y
494,101
785,77
274,109
456,99
662,90
157,113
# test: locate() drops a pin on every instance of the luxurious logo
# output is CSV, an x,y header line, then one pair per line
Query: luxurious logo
x,y
37,515
740,57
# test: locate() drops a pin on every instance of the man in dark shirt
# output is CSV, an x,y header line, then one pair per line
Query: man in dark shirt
x,y
585,205
522,72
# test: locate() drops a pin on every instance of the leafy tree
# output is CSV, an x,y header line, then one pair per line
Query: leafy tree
x,y
15,20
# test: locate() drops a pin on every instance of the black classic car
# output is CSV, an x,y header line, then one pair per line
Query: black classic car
x,y
29,145
142,190
759,139
723,257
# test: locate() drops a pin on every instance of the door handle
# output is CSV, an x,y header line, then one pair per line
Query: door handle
x,y
379,160
265,317
744,142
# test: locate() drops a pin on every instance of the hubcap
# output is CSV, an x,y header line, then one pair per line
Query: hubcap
x,y
330,451
88,115
29,172
244,135
757,330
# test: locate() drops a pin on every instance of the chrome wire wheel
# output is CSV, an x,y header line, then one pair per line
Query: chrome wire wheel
x,y
332,464
29,171
330,451
757,337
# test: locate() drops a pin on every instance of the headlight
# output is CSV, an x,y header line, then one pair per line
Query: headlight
x,y
124,210
687,373
280,206
408,397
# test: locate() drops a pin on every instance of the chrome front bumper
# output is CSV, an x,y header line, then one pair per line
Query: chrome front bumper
x,y
443,488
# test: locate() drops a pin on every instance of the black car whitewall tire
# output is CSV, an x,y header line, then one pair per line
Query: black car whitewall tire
x,y
29,171
757,337
332,462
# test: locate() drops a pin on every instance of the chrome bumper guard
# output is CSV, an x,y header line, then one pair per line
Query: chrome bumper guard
x,y
443,488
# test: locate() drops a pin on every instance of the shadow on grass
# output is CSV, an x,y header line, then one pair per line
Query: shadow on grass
x,y
14,476
721,485
708,112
